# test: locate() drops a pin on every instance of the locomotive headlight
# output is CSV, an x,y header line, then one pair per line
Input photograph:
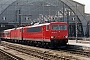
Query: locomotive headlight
x,y
52,36
66,36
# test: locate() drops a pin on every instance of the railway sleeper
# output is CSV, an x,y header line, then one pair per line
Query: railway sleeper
x,y
38,53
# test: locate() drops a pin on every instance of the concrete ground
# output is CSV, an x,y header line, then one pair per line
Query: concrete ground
x,y
78,43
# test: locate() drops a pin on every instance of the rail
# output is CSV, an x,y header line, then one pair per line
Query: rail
x,y
10,56
46,55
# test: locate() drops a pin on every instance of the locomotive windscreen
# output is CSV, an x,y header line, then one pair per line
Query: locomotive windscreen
x,y
58,27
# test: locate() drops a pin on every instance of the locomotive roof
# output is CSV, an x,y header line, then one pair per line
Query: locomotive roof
x,y
19,27
9,29
44,24
13,29
37,25
34,25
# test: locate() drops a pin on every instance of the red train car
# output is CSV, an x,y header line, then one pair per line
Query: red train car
x,y
7,34
16,33
54,33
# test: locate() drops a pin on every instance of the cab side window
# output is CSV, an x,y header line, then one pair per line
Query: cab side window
x,y
47,27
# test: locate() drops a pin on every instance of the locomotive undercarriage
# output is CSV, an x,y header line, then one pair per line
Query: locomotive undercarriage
x,y
51,44
58,43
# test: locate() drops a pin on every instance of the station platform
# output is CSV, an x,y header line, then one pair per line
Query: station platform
x,y
77,43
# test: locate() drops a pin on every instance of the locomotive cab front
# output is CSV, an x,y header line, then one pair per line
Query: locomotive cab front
x,y
59,33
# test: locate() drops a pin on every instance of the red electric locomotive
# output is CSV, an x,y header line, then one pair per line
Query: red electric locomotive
x,y
54,34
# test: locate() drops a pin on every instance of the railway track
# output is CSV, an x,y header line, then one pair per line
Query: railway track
x,y
82,52
7,56
39,53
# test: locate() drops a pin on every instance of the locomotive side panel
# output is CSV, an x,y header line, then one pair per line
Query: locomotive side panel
x,y
46,33
33,33
16,34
